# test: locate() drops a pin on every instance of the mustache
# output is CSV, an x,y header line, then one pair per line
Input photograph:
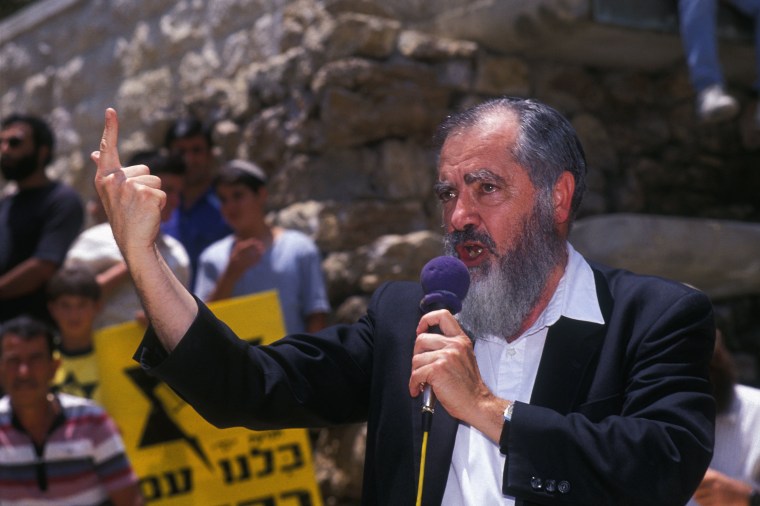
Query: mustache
x,y
469,234
25,383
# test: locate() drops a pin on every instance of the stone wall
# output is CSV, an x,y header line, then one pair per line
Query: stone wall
x,y
338,100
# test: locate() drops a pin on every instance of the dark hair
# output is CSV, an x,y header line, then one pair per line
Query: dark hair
x,y
27,328
159,163
546,146
241,172
183,128
42,135
74,280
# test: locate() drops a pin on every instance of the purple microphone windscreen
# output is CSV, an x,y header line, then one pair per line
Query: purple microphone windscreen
x,y
445,281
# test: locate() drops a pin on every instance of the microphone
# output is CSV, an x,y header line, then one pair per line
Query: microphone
x,y
445,281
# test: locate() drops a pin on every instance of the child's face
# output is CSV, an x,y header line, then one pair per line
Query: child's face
x,y
74,314
241,207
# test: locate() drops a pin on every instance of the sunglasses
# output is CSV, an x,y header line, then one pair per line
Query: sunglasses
x,y
13,142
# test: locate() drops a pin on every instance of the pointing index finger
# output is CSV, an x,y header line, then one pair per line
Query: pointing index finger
x,y
108,159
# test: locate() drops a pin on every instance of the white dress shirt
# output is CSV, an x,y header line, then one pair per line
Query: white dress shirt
x,y
509,370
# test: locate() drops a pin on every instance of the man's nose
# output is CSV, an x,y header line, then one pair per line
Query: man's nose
x,y
465,213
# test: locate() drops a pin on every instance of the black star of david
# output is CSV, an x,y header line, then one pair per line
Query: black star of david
x,y
159,427
72,385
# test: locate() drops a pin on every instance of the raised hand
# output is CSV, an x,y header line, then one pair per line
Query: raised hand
x,y
131,197
133,200
245,254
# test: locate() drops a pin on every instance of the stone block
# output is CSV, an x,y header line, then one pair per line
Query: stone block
x,y
720,257
361,35
498,75
421,46
362,102
350,225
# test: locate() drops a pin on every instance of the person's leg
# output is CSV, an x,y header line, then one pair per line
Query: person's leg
x,y
698,19
698,35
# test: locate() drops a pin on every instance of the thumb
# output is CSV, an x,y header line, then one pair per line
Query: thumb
x,y
107,159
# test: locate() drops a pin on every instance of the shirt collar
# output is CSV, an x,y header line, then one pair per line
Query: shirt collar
x,y
59,419
575,296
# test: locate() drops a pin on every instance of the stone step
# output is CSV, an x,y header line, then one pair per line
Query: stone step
x,y
720,257
659,15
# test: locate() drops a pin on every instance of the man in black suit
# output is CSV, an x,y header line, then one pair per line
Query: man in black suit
x,y
560,382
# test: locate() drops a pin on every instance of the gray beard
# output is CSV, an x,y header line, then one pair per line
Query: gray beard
x,y
501,296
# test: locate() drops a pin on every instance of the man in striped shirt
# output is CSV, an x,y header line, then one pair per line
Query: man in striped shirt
x,y
54,449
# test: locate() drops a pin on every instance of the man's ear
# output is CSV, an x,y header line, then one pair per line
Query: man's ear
x,y
562,196
42,154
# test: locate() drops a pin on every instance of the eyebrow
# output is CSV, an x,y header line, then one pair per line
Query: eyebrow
x,y
478,176
440,186
483,175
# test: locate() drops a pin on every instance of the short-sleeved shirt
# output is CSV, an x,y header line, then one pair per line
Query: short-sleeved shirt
x,y
292,266
197,227
96,249
37,223
80,462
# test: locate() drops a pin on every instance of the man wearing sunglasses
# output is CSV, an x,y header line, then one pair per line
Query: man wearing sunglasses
x,y
38,221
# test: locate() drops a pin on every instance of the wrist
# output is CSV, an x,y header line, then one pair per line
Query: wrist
x,y
488,417
507,415
506,426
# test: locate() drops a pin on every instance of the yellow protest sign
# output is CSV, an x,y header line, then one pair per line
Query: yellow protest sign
x,y
180,458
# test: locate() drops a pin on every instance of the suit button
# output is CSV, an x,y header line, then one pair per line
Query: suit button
x,y
550,486
563,487
536,483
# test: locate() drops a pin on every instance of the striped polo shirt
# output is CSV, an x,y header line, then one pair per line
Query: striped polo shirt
x,y
81,460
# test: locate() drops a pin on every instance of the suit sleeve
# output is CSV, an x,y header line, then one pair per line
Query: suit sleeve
x,y
644,432
301,380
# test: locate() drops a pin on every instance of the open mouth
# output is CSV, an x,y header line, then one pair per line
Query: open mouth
x,y
469,253
473,248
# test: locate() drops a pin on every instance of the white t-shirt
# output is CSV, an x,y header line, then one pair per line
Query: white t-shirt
x,y
96,248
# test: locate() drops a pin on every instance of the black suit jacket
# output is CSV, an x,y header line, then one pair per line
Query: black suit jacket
x,y
620,413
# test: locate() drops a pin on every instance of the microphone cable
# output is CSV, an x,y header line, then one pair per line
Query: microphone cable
x,y
427,420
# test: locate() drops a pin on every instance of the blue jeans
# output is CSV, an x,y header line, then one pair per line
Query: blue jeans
x,y
698,33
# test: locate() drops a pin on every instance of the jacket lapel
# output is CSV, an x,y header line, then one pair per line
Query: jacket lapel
x,y
570,351
570,348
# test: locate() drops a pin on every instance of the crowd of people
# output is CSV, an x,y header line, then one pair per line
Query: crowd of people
x,y
560,379
60,279
218,215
